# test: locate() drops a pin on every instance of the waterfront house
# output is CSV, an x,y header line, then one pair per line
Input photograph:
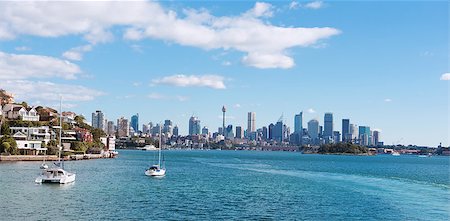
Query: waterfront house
x,y
27,145
18,112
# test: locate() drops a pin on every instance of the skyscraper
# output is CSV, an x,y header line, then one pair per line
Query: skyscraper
x,y
264,134
194,126
135,122
278,131
175,131
239,132
376,137
123,127
167,127
205,131
313,130
271,128
364,135
229,132
298,123
354,132
328,125
111,130
346,135
251,122
98,120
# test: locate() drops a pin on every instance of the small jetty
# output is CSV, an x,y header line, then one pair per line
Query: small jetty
x,y
55,158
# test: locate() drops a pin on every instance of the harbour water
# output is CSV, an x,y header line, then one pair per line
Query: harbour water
x,y
234,185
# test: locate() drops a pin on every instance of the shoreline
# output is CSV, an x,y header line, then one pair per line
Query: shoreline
x,y
15,158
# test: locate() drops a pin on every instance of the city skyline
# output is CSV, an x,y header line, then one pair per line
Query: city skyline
x,y
389,72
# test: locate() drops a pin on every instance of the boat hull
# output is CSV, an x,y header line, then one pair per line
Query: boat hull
x,y
57,180
160,172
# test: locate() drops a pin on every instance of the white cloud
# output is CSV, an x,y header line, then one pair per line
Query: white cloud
x,y
387,100
260,9
22,48
137,84
264,44
314,5
294,5
237,105
76,53
311,111
445,77
18,66
211,81
158,96
49,91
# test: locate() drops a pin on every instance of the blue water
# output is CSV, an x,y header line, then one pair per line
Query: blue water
x,y
234,185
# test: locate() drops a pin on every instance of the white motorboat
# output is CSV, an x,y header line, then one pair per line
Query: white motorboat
x,y
56,175
156,170
43,166
148,148
395,154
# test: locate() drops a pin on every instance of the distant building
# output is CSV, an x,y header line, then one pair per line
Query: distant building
x,y
239,132
354,132
111,130
336,137
376,137
264,133
251,126
364,135
175,131
194,126
229,132
205,131
271,130
135,123
313,131
278,131
123,127
298,123
328,125
167,127
346,135
98,120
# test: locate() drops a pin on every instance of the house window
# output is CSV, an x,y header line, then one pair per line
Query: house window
x,y
25,145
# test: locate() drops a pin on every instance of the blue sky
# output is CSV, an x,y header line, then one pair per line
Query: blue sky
x,y
381,64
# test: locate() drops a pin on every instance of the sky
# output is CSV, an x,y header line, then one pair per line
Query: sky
x,y
383,64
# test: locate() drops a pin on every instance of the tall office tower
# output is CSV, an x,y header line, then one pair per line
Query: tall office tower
x,y
346,135
167,127
229,132
251,122
98,120
278,131
135,122
223,119
271,128
194,126
175,131
354,132
298,123
328,125
364,135
123,127
313,131
376,137
239,132
205,131
264,133
111,130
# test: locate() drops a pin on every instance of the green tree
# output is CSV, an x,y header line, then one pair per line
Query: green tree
x,y
24,104
9,145
97,133
4,130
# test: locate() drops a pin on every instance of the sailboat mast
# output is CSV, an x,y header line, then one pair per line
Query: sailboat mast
x,y
159,157
60,128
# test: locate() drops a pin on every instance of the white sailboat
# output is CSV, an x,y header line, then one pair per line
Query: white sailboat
x,y
157,170
57,174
